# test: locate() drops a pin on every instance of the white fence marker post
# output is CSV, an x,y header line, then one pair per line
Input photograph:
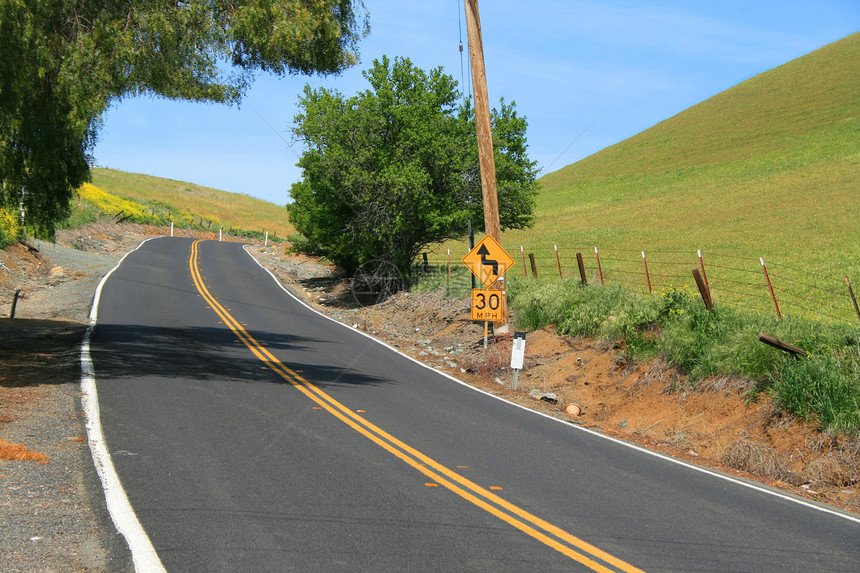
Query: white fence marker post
x,y
518,352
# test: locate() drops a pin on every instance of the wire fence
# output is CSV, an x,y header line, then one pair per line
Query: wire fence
x,y
751,283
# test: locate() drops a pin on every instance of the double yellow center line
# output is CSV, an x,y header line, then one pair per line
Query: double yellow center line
x,y
547,533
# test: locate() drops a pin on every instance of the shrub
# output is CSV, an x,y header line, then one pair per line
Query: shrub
x,y
610,313
821,387
541,302
115,205
675,301
10,229
721,341
83,213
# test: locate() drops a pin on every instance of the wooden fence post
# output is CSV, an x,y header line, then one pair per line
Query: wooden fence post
x,y
704,274
525,268
449,264
448,278
784,346
534,266
853,299
581,265
703,289
14,303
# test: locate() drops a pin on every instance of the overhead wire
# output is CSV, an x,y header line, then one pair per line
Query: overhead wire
x,y
546,169
467,88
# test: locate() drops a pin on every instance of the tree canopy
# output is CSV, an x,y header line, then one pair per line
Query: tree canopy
x,y
62,63
395,168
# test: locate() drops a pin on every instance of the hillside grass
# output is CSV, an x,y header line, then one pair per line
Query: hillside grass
x,y
91,204
769,168
178,199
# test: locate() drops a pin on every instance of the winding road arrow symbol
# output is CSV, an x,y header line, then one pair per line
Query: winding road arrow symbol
x,y
488,260
484,252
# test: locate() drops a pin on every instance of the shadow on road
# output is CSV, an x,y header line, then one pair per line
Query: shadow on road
x,y
128,351
34,352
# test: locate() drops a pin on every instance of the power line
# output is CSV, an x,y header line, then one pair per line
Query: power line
x,y
278,134
575,140
467,89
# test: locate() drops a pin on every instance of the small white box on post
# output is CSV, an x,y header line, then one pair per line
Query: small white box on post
x,y
518,352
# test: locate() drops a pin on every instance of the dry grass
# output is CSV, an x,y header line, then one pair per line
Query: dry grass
x,y
836,469
755,456
728,384
839,465
493,361
16,452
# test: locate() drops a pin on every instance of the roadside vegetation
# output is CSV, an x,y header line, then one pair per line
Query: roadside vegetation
x,y
10,229
395,168
823,387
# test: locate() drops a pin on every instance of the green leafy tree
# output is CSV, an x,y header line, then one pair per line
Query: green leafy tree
x,y
395,168
62,63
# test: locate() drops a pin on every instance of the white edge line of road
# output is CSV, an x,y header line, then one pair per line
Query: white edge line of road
x,y
143,554
737,481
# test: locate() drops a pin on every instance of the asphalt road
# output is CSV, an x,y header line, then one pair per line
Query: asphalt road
x,y
252,434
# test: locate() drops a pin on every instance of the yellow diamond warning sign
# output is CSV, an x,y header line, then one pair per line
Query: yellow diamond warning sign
x,y
488,260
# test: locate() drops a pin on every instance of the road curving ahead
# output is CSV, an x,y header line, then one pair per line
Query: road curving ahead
x,y
249,432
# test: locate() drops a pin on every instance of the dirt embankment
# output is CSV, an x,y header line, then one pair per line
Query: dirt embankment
x,y
649,403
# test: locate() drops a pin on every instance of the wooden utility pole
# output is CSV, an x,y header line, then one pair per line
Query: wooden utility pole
x,y
482,121
485,137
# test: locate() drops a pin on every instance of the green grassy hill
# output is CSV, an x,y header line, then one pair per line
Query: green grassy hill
x,y
769,168
228,209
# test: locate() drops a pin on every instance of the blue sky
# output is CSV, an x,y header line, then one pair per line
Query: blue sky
x,y
585,74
